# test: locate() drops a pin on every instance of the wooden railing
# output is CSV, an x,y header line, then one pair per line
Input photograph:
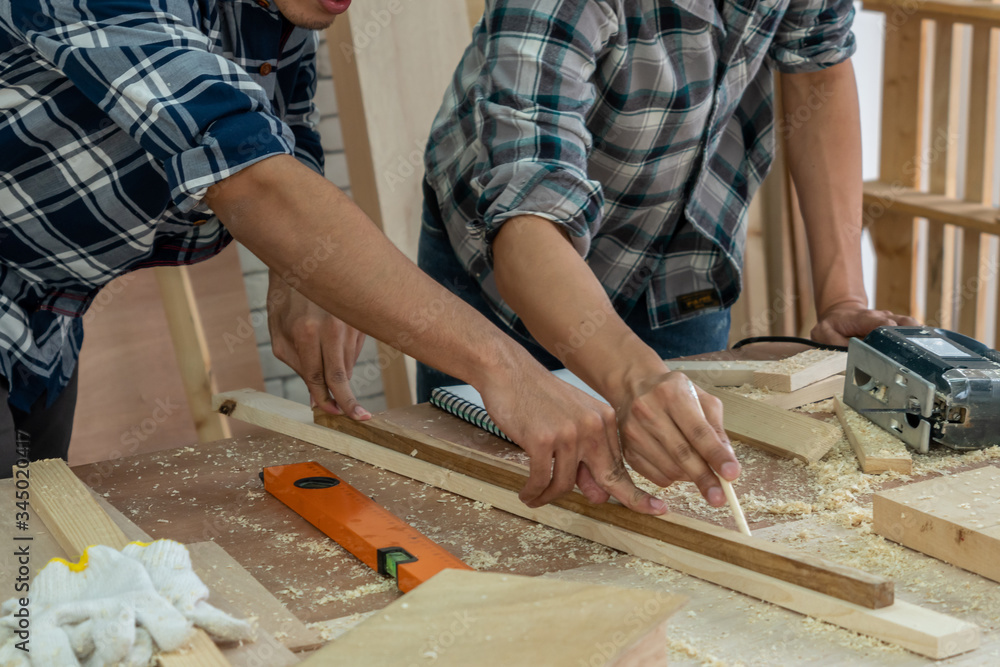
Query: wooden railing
x,y
932,213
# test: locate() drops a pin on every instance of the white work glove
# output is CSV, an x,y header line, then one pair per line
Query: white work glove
x,y
114,608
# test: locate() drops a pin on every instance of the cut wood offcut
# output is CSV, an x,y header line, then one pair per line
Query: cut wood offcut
x,y
801,370
877,450
784,433
460,618
923,631
955,518
817,391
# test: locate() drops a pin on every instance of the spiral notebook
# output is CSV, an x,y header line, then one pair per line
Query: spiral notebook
x,y
466,403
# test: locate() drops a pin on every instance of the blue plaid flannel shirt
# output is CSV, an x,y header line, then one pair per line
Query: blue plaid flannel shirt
x,y
115,119
643,127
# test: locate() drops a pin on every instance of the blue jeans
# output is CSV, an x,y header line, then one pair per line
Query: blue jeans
x,y
705,333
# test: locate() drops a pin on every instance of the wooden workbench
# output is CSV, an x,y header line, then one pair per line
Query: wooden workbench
x,y
213,492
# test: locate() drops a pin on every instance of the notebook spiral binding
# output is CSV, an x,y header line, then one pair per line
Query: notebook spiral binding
x,y
463,409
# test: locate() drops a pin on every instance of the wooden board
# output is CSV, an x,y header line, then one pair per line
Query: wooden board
x,y
818,391
461,618
915,628
955,518
774,430
236,592
877,450
698,536
719,373
803,370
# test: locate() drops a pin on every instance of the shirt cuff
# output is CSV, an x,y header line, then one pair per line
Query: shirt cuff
x,y
230,145
549,191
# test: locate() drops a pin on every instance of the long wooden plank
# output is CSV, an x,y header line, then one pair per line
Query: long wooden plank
x,y
75,520
697,536
877,451
774,430
529,621
920,630
954,518
817,391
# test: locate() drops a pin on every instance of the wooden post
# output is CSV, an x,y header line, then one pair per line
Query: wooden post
x,y
892,232
943,180
391,64
191,349
978,176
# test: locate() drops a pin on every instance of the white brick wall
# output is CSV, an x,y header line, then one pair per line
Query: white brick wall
x,y
279,379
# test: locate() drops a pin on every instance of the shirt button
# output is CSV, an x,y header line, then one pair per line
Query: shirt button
x,y
265,69
263,4
199,222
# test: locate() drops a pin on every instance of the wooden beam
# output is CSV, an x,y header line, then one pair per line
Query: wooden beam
x,y
802,370
191,349
76,521
955,518
530,621
817,391
877,450
917,629
70,513
975,11
945,89
891,230
982,107
780,432
942,208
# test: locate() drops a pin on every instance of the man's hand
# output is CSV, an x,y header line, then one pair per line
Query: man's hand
x,y
672,431
570,438
318,346
839,324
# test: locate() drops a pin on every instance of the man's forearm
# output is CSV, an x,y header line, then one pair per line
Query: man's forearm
x,y
823,131
323,245
542,277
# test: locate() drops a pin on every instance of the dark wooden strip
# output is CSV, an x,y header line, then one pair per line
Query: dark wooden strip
x,y
775,560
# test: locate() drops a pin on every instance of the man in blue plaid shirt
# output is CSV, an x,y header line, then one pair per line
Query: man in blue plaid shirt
x,y
588,178
143,133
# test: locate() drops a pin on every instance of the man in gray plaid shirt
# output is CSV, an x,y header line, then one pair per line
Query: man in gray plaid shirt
x,y
588,178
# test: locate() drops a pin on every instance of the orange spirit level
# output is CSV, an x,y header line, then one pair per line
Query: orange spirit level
x,y
354,521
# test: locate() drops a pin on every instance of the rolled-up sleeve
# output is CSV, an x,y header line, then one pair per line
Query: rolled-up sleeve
x,y
150,67
813,35
533,98
301,114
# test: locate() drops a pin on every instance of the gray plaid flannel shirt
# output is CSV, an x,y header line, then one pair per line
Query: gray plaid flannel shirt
x,y
644,127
